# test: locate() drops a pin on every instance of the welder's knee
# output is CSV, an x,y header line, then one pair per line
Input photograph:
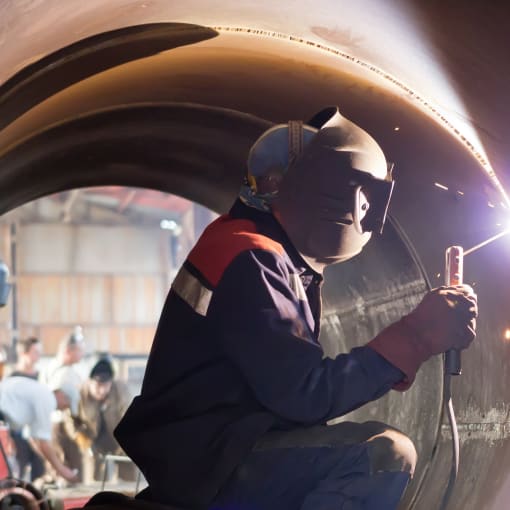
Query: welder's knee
x,y
392,450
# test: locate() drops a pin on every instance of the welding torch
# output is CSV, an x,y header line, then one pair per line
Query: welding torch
x,y
454,267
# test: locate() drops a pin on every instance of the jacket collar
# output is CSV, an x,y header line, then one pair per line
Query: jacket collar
x,y
268,225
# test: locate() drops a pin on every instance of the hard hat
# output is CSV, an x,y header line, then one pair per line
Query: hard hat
x,y
268,160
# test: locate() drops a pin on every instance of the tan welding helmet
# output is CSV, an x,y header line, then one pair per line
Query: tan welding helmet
x,y
326,181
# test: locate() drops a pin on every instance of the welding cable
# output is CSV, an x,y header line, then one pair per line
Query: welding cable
x,y
447,394
448,405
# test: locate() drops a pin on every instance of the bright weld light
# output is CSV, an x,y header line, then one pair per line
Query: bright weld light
x,y
448,105
438,95
507,334
487,241
460,193
396,128
441,186
504,223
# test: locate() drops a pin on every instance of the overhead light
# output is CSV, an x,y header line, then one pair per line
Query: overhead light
x,y
171,225
168,225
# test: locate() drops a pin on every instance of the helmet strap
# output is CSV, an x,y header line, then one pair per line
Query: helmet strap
x,y
295,140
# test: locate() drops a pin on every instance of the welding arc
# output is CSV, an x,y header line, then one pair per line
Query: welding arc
x,y
487,241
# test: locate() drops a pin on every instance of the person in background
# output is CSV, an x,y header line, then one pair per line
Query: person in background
x,y
27,405
62,370
237,394
4,370
103,401
28,352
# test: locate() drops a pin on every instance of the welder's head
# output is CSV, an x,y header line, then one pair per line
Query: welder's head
x,y
327,183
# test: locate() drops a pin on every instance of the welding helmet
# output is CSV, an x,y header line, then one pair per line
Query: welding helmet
x,y
334,191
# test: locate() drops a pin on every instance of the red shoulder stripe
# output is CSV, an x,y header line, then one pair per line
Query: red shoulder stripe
x,y
222,241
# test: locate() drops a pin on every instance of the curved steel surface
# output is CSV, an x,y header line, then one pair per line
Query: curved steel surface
x,y
175,105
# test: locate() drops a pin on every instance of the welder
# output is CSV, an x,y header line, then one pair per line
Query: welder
x,y
237,392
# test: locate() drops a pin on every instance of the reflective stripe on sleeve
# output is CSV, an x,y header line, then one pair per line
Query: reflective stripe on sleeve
x,y
191,290
297,286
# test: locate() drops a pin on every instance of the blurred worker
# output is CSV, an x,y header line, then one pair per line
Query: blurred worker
x,y
3,362
237,390
27,405
5,286
103,402
63,369
28,352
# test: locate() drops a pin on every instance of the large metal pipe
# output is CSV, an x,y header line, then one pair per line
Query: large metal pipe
x,y
182,121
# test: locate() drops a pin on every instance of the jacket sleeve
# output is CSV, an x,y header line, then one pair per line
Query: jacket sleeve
x,y
264,333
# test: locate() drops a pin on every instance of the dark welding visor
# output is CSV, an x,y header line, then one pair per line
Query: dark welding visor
x,y
377,190
378,193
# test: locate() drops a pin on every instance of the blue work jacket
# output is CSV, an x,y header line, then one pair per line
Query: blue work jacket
x,y
236,353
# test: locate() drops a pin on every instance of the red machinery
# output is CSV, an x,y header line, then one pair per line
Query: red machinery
x,y
19,495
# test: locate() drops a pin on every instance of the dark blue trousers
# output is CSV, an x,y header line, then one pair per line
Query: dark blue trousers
x,y
348,466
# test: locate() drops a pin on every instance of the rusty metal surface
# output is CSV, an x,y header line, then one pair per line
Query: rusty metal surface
x,y
451,54
427,79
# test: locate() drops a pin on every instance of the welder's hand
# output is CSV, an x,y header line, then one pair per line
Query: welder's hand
x,y
445,319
